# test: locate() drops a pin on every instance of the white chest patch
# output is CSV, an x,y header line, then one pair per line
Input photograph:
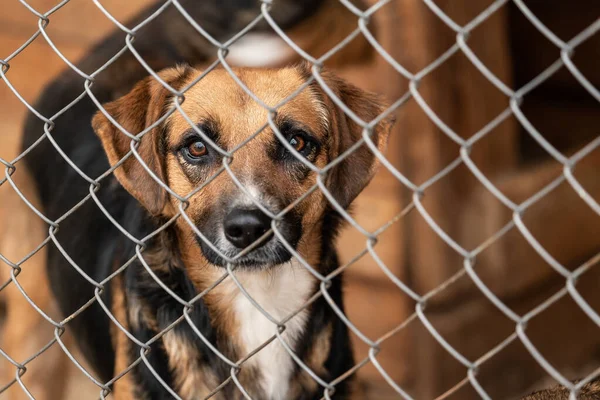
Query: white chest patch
x,y
260,50
280,293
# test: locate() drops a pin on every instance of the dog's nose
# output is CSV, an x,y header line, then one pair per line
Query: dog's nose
x,y
244,227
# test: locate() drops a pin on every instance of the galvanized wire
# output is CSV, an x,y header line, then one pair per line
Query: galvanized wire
x,y
514,99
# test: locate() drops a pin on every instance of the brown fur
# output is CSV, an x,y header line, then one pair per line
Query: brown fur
x,y
590,391
124,387
144,107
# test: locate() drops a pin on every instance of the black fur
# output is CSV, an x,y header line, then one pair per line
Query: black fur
x,y
167,309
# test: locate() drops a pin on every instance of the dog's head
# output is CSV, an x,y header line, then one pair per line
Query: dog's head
x,y
270,172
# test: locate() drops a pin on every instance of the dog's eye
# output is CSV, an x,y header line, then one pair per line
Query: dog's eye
x,y
298,143
304,145
194,151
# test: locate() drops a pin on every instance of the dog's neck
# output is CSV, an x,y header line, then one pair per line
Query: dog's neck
x,y
280,293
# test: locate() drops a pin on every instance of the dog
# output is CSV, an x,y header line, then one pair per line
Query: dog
x,y
228,218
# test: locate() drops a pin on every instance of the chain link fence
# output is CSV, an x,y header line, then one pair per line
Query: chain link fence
x,y
565,50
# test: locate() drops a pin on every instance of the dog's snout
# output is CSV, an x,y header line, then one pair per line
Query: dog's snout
x,y
243,227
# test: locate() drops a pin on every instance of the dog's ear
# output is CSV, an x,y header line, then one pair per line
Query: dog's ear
x,y
346,180
137,110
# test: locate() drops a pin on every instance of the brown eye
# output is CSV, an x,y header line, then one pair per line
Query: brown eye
x,y
298,143
195,151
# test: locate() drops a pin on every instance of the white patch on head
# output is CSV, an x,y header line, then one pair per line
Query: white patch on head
x,y
254,194
260,50
321,110
280,292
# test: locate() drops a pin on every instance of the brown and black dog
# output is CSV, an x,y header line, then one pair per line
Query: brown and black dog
x,y
229,221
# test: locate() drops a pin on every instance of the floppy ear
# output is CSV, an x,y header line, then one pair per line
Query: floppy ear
x,y
349,177
136,111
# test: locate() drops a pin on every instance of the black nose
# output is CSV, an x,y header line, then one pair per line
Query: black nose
x,y
244,227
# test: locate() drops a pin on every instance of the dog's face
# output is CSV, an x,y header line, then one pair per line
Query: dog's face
x,y
266,171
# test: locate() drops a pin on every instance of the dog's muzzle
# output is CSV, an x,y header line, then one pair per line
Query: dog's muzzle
x,y
246,229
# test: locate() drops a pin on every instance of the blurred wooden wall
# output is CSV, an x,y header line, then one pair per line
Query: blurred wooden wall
x,y
568,117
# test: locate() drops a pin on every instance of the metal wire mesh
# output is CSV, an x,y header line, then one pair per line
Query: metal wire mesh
x,y
514,99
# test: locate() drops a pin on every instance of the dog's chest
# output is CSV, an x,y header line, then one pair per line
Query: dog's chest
x,y
280,293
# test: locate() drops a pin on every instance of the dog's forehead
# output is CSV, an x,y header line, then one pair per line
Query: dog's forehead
x,y
219,98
